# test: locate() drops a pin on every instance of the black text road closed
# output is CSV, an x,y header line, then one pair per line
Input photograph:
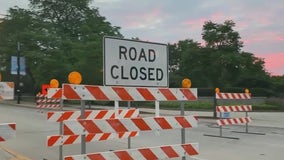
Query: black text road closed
x,y
135,63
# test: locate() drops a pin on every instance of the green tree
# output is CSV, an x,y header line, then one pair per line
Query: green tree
x,y
78,30
186,60
278,84
232,66
58,37
15,28
221,36
252,73
220,63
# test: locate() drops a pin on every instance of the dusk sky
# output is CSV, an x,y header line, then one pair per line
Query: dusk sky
x,y
258,22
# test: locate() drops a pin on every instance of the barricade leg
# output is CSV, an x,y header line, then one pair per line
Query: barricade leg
x,y
221,135
247,132
221,132
246,129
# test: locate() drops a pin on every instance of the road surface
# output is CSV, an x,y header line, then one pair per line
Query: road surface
x,y
33,128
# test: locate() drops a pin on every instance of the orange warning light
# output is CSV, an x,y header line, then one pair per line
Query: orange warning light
x,y
186,83
54,83
246,90
217,90
74,77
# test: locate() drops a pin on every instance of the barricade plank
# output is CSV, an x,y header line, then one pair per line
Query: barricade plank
x,y
61,116
42,102
235,108
7,131
108,93
57,140
54,93
147,153
233,96
125,125
7,90
232,121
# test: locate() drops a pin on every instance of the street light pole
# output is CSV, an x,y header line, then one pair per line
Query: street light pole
x,y
18,73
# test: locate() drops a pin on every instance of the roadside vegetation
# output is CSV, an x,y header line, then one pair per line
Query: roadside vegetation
x,y
269,104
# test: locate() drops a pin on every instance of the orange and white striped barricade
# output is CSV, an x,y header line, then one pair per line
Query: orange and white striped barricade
x,y
7,90
7,131
134,124
146,153
238,96
125,125
54,93
222,121
43,102
60,140
115,93
60,116
120,93
231,121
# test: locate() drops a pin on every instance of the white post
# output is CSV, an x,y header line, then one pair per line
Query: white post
x,y
83,137
157,108
116,107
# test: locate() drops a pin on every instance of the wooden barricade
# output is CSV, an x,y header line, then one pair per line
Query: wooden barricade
x,y
222,121
84,127
7,131
73,138
146,153
43,102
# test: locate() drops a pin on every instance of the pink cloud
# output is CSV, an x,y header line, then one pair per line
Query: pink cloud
x,y
195,23
241,25
263,36
280,38
144,20
274,63
218,17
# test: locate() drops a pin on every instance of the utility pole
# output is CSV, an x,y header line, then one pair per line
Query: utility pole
x,y
18,73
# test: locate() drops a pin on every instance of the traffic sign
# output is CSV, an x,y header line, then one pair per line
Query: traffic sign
x,y
14,65
135,63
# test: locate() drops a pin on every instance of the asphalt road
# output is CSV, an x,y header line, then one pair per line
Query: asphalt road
x,y
32,130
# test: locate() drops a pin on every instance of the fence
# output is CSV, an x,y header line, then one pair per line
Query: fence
x,y
83,127
226,120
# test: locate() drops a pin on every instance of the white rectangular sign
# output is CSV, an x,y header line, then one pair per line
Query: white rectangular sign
x,y
14,65
135,63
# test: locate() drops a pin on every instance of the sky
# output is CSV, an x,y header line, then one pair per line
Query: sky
x,y
258,22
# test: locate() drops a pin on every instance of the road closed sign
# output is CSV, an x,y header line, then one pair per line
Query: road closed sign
x,y
135,63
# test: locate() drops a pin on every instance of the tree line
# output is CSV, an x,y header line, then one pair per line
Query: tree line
x,y
58,37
